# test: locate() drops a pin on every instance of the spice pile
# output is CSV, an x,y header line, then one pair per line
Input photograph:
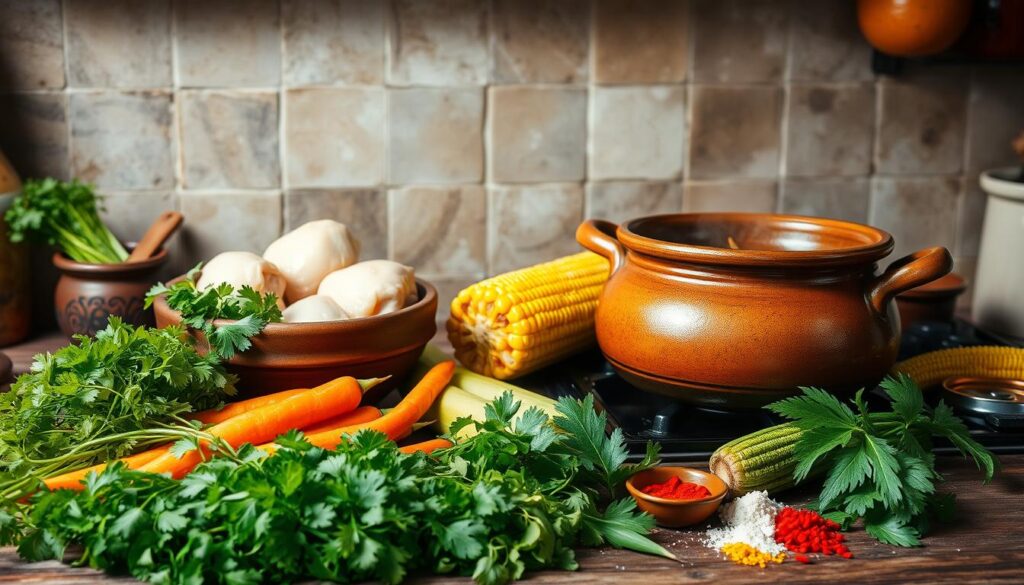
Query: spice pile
x,y
757,531
677,489
804,531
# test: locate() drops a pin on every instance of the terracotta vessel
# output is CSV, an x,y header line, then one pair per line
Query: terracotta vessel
x,y
15,283
736,310
677,513
303,355
935,301
88,294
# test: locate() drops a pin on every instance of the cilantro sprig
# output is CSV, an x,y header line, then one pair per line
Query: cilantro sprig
x,y
516,497
879,466
249,311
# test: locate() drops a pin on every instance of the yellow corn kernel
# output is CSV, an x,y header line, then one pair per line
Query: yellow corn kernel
x,y
930,369
744,554
520,321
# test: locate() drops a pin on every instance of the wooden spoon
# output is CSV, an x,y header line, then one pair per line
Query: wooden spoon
x,y
162,228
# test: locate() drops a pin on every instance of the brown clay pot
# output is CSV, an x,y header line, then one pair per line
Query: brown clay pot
x,y
934,301
88,294
798,304
6,377
304,355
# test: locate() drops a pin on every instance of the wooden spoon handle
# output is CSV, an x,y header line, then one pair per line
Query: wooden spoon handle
x,y
158,233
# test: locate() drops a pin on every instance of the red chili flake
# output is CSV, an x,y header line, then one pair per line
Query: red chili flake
x,y
805,531
803,559
677,489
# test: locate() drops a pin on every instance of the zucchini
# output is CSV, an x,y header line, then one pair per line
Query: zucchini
x,y
763,460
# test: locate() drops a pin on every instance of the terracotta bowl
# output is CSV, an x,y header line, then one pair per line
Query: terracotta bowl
x,y
303,355
88,294
677,513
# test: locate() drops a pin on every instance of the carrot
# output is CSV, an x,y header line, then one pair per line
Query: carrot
x,y
73,479
359,415
233,409
263,424
427,447
400,418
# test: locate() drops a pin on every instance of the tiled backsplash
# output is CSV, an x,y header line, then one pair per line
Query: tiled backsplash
x,y
468,137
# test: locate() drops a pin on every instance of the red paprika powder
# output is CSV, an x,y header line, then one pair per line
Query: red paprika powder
x,y
677,489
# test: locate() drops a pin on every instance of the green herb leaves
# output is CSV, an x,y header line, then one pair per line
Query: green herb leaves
x,y
102,399
249,310
878,466
505,501
63,215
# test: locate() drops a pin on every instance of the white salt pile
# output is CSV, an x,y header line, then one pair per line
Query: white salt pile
x,y
749,519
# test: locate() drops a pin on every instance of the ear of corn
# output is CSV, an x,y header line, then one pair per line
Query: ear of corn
x,y
518,322
763,460
930,369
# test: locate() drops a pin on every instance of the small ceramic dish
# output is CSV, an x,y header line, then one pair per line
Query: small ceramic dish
x,y
677,513
303,355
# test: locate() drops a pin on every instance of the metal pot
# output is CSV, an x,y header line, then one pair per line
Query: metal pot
x,y
737,310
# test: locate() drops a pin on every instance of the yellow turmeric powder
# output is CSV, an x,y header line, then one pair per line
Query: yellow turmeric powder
x,y
744,554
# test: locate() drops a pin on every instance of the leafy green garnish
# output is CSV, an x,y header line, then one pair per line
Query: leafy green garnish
x,y
64,215
250,311
878,466
101,399
508,500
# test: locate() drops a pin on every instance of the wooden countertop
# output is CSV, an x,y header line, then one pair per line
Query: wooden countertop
x,y
984,545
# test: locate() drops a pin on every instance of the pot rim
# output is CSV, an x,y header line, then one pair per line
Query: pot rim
x,y
996,182
65,264
879,243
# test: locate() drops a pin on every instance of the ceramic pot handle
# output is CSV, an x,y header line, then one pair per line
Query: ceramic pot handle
x,y
909,272
598,236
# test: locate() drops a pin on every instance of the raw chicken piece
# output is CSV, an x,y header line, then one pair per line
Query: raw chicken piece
x,y
243,268
370,288
313,309
310,252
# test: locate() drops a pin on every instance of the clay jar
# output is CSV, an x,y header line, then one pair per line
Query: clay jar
x,y
88,294
797,304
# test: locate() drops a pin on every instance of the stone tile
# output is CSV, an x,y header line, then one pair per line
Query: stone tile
x,y
229,140
448,287
129,214
254,217
532,224
540,41
620,201
32,44
435,135
641,42
825,43
334,137
122,140
830,130
996,117
918,211
228,43
364,211
921,124
440,230
840,198
735,132
333,41
537,134
739,41
756,196
637,132
34,135
442,42
966,267
118,43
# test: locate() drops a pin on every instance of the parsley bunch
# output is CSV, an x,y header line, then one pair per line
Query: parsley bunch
x,y
101,399
515,497
63,215
879,466
248,309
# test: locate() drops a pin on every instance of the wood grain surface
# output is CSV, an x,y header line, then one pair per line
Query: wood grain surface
x,y
984,545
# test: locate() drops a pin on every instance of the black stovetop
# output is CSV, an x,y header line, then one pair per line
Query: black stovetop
x,y
687,432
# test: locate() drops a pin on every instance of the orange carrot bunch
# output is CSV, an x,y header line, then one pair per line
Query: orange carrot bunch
x,y
326,413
